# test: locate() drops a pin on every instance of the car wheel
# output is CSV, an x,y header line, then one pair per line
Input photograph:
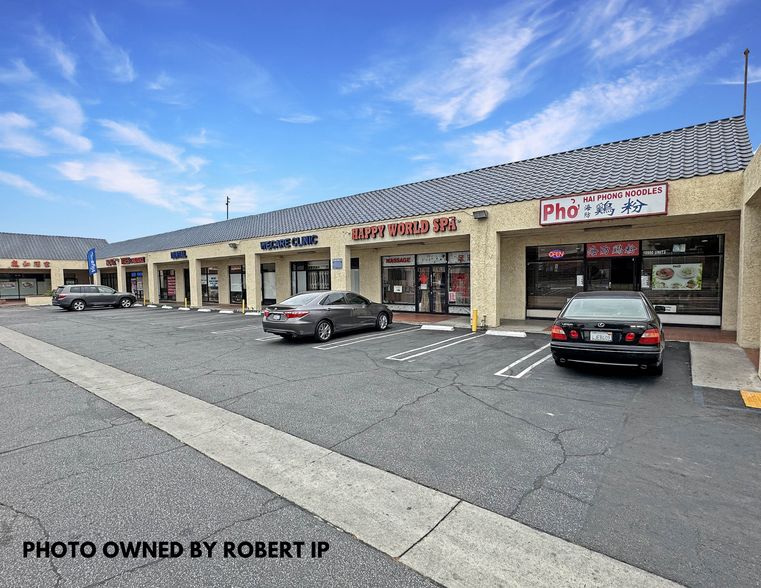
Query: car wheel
x,y
125,303
381,323
324,331
78,305
657,370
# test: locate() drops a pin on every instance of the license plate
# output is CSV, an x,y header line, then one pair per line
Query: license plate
x,y
600,336
275,317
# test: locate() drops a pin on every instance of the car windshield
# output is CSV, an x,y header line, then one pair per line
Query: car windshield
x,y
302,299
630,308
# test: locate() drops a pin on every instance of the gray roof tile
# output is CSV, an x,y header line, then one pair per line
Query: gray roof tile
x,y
31,247
709,148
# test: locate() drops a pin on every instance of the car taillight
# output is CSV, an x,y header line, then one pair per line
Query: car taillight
x,y
558,333
266,313
650,337
630,336
296,313
574,334
61,296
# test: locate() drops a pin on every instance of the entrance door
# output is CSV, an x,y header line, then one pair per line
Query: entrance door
x,y
432,288
186,276
612,273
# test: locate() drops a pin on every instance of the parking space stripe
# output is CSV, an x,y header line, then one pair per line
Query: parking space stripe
x,y
268,338
521,360
326,346
437,347
248,328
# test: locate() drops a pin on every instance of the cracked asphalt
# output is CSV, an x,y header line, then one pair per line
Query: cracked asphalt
x,y
625,464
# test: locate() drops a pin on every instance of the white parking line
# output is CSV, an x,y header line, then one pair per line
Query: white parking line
x,y
268,338
249,328
502,374
436,347
325,346
204,323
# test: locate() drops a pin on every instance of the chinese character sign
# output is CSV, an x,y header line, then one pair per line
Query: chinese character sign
x,y
619,249
641,201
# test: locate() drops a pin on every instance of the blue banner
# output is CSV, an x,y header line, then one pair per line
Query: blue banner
x,y
91,263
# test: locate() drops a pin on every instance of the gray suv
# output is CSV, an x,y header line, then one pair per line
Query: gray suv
x,y
80,297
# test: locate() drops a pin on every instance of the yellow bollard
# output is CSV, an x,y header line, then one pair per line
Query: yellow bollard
x,y
475,320
186,303
143,299
243,306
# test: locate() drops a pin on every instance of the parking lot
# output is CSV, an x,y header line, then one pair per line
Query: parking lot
x,y
618,461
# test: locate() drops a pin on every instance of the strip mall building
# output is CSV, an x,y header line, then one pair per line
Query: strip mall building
x,y
676,215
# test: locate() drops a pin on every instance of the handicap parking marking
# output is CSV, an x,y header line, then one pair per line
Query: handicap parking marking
x,y
438,346
501,373
335,345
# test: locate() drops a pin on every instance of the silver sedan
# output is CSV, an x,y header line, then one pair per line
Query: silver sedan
x,y
321,314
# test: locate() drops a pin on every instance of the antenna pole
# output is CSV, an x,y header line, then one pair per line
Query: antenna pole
x,y
745,88
228,198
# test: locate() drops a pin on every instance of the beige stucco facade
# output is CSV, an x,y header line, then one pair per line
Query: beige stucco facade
x,y
727,204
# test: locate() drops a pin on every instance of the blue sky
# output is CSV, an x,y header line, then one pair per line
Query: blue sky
x,y
125,119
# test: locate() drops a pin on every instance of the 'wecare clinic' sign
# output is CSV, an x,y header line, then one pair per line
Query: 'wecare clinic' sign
x,y
630,202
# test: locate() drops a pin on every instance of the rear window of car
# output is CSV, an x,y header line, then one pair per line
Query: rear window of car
x,y
631,308
302,299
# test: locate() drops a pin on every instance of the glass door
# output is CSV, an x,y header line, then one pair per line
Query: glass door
x,y
432,288
611,273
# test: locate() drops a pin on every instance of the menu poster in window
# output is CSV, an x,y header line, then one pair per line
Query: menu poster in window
x,y
453,297
170,286
679,276
397,289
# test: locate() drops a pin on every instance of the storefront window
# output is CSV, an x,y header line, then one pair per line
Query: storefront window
x,y
109,279
15,286
459,285
167,285
309,276
210,284
683,275
399,282
135,283
269,294
237,284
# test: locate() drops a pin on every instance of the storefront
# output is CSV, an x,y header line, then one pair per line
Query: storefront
x,y
237,284
437,283
135,283
307,276
167,286
17,286
210,285
682,276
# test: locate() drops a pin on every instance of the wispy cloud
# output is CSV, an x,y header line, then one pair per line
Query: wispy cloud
x,y
114,174
200,140
196,162
20,74
60,55
754,76
76,142
115,58
301,119
24,185
570,122
129,134
14,138
64,110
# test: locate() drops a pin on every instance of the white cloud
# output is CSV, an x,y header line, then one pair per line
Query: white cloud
x,y
112,174
196,162
13,137
200,139
639,33
76,142
24,185
569,123
65,110
301,118
163,82
115,58
129,134
754,76
20,74
66,60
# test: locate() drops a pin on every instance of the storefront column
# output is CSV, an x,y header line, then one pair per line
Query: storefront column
x,y
223,282
96,278
282,278
195,282
340,279
253,280
121,279
179,285
749,295
152,288
56,277
484,275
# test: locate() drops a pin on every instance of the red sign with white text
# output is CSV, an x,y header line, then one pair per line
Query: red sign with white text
x,y
615,249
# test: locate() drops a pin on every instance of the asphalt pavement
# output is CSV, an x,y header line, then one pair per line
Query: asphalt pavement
x,y
625,464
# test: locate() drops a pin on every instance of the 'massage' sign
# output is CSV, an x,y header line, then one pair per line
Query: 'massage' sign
x,y
630,202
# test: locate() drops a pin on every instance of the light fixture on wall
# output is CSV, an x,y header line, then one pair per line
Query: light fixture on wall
x,y
232,245
481,214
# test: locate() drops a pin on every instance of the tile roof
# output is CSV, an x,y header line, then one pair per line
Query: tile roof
x,y
42,247
709,148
